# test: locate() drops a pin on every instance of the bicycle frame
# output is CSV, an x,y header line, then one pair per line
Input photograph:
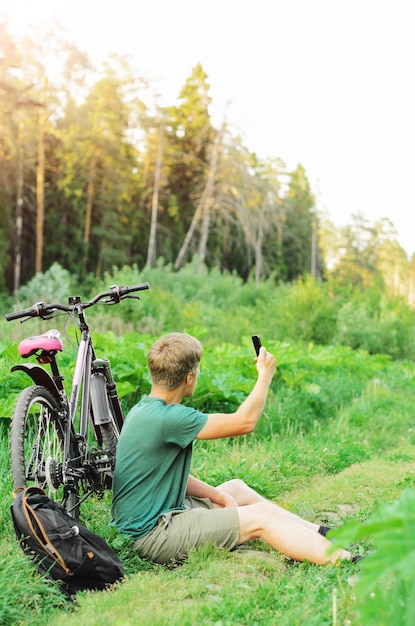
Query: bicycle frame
x,y
93,399
82,368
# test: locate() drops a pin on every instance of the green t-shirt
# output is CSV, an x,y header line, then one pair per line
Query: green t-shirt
x,y
153,463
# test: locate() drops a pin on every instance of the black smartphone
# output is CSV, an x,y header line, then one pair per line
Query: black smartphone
x,y
256,340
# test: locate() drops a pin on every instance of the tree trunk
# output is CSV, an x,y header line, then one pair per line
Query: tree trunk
x,y
313,264
258,248
19,207
40,190
189,235
90,191
203,208
208,202
204,234
151,252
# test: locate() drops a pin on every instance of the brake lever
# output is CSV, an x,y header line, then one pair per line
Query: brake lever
x,y
113,300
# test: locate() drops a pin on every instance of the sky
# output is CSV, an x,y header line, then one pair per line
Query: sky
x,y
325,83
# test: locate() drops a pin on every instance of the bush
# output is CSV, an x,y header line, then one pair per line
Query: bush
x,y
305,313
230,310
53,285
382,330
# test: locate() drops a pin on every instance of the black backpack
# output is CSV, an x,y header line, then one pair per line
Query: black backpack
x,y
61,547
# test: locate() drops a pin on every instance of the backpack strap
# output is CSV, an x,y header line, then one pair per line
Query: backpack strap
x,y
40,533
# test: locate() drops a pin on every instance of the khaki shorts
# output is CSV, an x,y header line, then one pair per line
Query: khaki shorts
x,y
177,532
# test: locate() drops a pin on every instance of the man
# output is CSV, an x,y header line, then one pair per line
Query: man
x,y
164,509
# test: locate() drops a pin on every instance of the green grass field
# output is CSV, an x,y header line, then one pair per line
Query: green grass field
x,y
335,444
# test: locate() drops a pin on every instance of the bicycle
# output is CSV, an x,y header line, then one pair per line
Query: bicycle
x,y
66,445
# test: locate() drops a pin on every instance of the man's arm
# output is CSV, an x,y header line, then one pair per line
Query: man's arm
x,y
244,419
199,489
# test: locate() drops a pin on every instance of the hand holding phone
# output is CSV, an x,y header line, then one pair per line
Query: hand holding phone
x,y
256,340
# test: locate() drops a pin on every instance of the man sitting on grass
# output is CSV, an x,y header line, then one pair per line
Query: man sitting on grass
x,y
164,509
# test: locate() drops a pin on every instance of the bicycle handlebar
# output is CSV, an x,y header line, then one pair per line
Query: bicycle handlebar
x,y
114,295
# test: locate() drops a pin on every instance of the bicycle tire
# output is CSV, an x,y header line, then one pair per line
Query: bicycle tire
x,y
37,445
109,437
108,434
105,415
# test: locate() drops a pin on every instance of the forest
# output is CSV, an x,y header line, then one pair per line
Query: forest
x,y
96,174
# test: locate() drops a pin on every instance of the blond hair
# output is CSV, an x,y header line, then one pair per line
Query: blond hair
x,y
172,357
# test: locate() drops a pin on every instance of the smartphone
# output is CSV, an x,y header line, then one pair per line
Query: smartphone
x,y
256,340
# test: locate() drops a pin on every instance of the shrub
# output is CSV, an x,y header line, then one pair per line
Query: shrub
x,y
305,313
53,285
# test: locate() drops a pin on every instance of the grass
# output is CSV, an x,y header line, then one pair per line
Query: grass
x,y
335,469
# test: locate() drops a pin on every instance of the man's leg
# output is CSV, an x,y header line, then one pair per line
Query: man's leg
x,y
244,496
273,525
284,531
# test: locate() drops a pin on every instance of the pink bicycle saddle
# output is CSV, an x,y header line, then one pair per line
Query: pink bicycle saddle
x,y
48,341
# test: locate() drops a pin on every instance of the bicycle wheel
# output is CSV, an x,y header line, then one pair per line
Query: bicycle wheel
x,y
37,445
109,435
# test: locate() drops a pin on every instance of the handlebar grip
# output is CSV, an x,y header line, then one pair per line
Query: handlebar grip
x,y
138,287
30,312
118,292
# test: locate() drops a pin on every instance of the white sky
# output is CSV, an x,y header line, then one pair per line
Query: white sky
x,y
325,83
